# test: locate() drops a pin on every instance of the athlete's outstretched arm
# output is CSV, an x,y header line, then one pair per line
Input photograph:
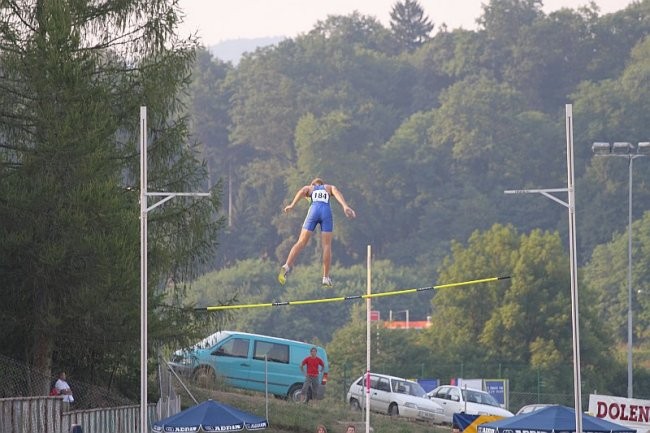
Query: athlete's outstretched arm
x,y
301,193
338,195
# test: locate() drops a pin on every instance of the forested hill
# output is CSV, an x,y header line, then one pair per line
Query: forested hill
x,y
424,137
423,128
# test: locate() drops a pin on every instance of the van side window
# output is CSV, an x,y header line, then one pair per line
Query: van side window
x,y
236,347
275,352
383,384
399,386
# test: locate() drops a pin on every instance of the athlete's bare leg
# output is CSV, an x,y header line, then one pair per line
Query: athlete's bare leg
x,y
301,243
326,239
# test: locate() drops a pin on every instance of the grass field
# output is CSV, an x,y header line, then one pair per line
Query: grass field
x,y
289,417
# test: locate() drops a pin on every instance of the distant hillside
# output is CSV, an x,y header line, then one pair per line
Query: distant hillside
x,y
233,49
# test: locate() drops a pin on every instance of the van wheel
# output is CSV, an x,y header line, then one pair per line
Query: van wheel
x,y
295,393
393,410
204,376
354,405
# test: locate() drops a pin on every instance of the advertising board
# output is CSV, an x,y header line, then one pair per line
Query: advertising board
x,y
628,412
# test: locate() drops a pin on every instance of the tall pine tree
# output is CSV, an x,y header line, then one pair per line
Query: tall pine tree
x,y
409,24
74,75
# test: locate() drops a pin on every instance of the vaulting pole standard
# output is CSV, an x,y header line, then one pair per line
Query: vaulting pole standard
x,y
368,311
575,316
144,209
570,205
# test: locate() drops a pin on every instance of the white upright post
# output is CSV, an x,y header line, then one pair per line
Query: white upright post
x,y
368,311
143,270
630,394
144,209
574,269
571,206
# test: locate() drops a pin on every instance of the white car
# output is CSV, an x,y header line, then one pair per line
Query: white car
x,y
532,408
394,396
455,399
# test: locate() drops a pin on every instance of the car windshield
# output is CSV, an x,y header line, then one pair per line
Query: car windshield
x,y
479,397
407,387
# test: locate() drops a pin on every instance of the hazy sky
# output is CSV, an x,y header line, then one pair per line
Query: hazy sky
x,y
219,20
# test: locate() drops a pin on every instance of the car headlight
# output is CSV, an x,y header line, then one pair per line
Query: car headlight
x,y
411,405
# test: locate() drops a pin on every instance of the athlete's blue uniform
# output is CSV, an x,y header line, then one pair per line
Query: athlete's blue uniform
x,y
320,211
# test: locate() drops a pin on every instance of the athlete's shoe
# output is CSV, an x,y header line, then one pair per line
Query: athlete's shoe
x,y
327,282
282,276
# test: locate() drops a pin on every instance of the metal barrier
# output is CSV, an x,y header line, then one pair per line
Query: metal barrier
x,y
43,414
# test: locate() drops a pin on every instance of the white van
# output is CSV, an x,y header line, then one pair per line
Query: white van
x,y
253,362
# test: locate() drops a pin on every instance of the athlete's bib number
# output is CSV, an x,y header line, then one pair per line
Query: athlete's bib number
x,y
320,195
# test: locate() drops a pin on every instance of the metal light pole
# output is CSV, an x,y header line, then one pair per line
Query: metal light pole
x,y
570,205
626,150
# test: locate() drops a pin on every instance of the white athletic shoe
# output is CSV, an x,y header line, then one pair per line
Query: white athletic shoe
x,y
327,282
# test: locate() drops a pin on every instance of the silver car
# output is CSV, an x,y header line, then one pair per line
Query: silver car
x,y
394,396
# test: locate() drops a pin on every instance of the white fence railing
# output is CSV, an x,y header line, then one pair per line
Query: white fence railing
x,y
48,415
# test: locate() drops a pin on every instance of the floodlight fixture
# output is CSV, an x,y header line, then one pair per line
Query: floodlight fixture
x,y
643,148
601,148
622,148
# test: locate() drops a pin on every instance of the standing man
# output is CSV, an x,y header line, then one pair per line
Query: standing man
x,y
319,212
63,388
311,375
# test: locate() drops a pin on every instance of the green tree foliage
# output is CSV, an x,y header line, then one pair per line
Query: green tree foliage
x,y
392,351
606,272
73,76
503,22
544,73
210,103
616,34
422,143
612,111
526,319
409,24
253,281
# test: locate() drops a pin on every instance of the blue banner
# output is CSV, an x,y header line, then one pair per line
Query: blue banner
x,y
497,389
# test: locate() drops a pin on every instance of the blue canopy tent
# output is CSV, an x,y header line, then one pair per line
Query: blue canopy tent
x,y
210,416
552,419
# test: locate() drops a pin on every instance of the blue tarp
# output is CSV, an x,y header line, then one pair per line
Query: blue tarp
x,y
552,419
210,416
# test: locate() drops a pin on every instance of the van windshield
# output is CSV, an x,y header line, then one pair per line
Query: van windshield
x,y
205,343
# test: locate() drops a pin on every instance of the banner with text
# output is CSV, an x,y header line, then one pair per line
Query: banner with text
x,y
628,412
